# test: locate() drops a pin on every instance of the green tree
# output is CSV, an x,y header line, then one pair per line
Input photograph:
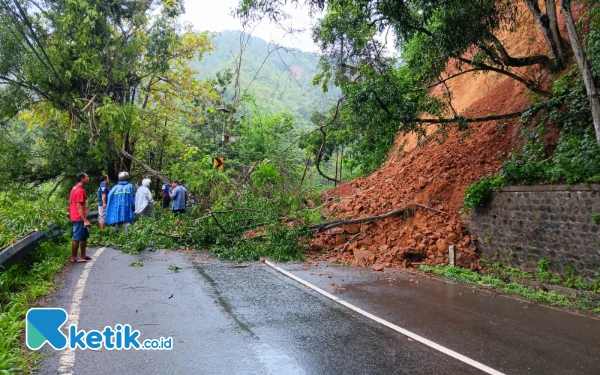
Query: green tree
x,y
436,42
116,71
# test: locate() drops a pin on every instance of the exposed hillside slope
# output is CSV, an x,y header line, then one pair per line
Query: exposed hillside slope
x,y
435,175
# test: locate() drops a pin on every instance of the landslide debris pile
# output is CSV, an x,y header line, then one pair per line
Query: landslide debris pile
x,y
435,175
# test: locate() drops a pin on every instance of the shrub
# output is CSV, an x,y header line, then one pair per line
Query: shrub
x,y
481,191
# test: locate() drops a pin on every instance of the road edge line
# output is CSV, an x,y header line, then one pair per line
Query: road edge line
x,y
396,328
67,358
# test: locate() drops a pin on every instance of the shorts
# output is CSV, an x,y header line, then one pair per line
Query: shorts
x,y
101,215
80,231
166,201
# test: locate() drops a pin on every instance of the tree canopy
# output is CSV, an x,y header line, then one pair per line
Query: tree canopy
x,y
388,55
115,72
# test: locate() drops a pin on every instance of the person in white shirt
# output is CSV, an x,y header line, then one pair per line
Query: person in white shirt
x,y
144,204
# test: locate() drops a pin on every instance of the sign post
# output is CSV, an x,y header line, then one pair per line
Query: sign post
x,y
219,163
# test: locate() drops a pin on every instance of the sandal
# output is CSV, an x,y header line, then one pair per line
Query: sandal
x,y
87,257
78,260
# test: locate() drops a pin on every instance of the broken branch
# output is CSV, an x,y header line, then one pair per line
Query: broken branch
x,y
407,211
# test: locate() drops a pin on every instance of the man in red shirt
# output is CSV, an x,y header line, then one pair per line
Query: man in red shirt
x,y
78,215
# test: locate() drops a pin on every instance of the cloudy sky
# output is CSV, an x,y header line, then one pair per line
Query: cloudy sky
x,y
215,15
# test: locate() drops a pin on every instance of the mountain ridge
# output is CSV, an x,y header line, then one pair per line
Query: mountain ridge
x,y
278,77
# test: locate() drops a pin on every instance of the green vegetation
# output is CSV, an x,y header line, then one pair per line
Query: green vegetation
x,y
508,271
574,158
543,275
542,271
280,77
497,283
19,287
263,219
23,209
174,268
480,191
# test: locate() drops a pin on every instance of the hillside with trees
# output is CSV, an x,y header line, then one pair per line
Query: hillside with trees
x,y
473,95
480,94
278,78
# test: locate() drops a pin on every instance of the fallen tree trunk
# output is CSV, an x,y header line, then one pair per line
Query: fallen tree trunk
x,y
406,211
153,172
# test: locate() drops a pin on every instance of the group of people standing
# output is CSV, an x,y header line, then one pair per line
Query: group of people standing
x,y
117,206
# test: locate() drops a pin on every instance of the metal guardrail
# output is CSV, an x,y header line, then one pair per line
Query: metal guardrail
x,y
15,252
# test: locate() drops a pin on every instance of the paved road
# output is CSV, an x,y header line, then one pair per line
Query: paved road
x,y
226,319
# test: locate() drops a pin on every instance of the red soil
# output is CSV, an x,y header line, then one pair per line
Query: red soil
x,y
435,175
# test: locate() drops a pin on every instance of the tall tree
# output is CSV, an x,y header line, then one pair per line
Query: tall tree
x,y
584,66
548,23
116,69
437,41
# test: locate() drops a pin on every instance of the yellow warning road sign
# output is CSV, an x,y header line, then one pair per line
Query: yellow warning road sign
x,y
219,163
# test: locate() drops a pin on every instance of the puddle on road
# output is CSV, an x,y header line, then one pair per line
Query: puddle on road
x,y
272,360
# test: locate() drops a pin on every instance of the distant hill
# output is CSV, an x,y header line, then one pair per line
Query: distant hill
x,y
283,82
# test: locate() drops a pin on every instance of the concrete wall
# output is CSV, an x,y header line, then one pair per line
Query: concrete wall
x,y
521,225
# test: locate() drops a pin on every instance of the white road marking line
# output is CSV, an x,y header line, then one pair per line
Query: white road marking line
x,y
396,328
67,357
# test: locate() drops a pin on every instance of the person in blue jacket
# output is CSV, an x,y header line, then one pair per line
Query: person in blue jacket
x,y
121,203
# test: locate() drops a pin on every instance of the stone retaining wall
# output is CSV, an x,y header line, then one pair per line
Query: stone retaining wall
x,y
521,225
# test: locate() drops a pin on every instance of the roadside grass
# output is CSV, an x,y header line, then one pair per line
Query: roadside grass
x,y
543,275
496,283
20,286
500,270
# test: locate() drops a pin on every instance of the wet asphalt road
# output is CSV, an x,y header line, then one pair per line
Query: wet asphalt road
x,y
227,319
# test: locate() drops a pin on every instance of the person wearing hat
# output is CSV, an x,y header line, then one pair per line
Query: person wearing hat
x,y
121,203
178,194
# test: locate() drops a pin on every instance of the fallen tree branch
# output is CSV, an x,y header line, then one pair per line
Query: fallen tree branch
x,y
60,181
425,207
408,211
466,119
527,83
350,240
261,237
318,160
146,167
217,222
